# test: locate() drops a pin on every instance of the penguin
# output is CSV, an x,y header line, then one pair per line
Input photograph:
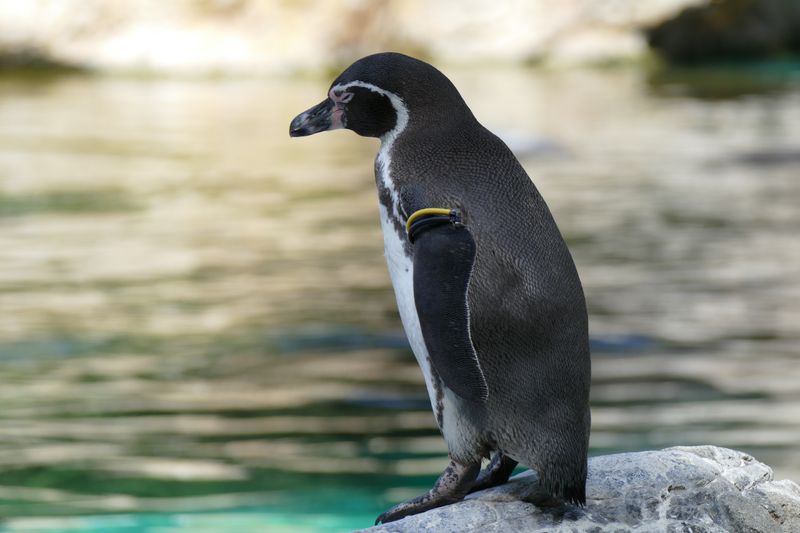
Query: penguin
x,y
487,290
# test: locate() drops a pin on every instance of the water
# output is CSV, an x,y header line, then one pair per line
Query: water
x,y
198,331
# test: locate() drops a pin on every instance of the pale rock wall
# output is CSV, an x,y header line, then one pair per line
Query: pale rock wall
x,y
274,36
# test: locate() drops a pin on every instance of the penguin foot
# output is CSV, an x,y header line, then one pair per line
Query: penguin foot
x,y
452,486
496,472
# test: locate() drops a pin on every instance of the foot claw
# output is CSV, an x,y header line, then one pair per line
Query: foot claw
x,y
392,514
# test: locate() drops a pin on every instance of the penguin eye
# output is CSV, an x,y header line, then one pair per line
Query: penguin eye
x,y
340,96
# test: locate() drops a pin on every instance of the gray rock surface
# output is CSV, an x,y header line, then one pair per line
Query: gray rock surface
x,y
682,489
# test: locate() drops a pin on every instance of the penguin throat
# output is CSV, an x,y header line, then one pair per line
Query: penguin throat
x,y
384,158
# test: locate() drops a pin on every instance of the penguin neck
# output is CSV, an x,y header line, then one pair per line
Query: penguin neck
x,y
388,193
384,157
387,190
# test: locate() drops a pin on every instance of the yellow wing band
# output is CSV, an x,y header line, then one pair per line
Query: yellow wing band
x,y
427,211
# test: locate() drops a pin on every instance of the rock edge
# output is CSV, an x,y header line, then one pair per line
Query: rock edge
x,y
697,489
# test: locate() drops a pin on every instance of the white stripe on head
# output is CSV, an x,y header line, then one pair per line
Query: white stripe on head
x,y
397,103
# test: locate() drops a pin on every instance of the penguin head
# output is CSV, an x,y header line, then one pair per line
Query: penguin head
x,y
379,94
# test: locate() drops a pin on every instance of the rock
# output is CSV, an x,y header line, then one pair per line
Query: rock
x,y
729,30
247,37
31,59
697,489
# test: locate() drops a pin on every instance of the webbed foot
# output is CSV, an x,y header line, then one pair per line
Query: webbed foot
x,y
452,486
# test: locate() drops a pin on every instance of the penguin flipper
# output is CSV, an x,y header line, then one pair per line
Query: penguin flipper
x,y
443,259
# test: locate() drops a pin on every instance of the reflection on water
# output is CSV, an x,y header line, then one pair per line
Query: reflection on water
x,y
198,331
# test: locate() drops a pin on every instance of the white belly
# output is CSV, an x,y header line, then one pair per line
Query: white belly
x,y
459,434
401,270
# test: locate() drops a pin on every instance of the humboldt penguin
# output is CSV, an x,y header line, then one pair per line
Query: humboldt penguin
x,y
487,291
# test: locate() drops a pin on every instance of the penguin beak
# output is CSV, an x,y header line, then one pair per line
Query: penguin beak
x,y
322,117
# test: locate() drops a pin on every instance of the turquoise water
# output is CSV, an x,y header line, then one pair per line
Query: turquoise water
x,y
233,521
198,331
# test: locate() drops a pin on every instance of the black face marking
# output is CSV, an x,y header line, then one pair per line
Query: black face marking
x,y
368,113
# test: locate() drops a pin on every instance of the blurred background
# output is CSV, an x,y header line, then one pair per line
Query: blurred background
x,y
197,328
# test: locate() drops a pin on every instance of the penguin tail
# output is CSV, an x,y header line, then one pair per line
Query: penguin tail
x,y
570,490
575,494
